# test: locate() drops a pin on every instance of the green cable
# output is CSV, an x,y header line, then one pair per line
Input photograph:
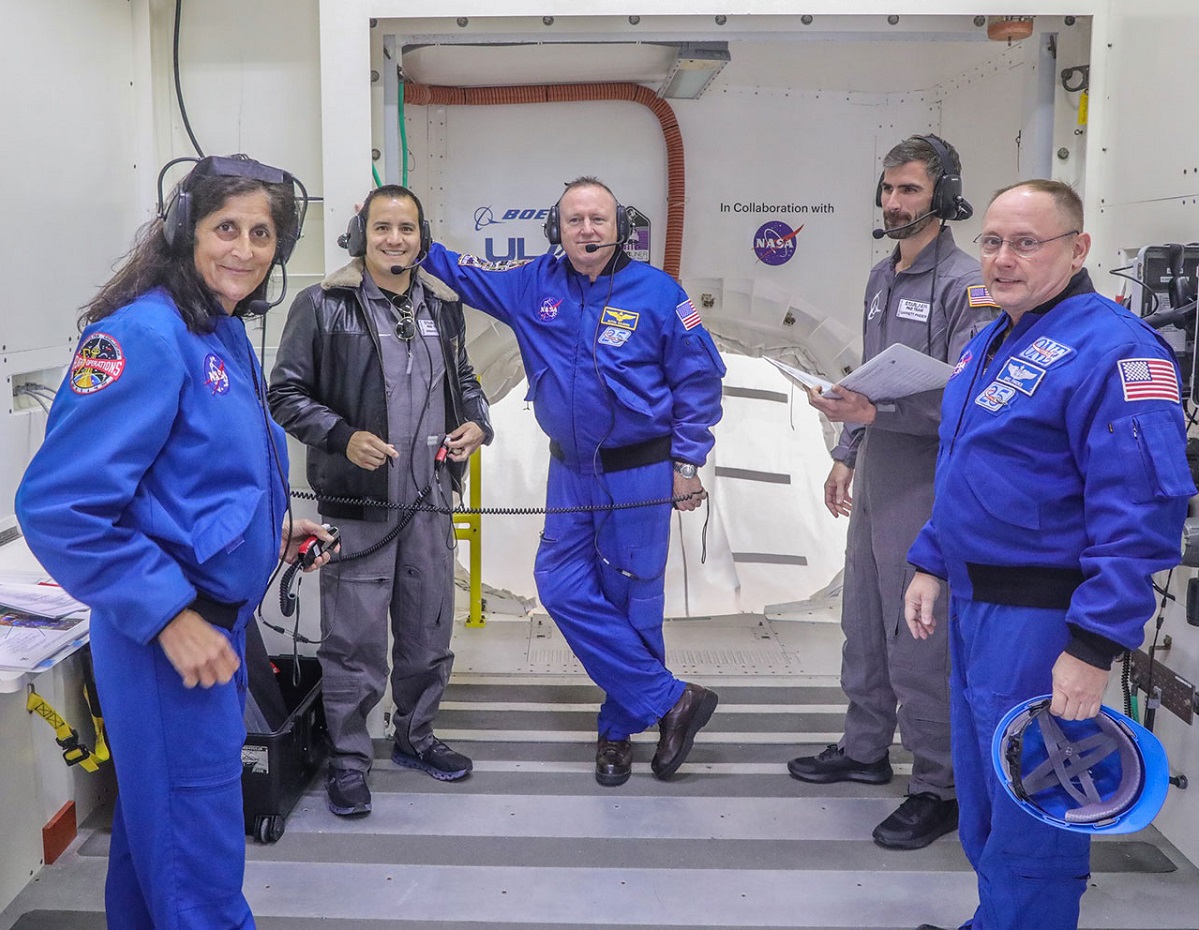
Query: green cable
x,y
1136,713
403,138
375,172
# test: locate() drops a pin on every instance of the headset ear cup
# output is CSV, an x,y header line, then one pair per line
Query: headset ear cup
x,y
176,220
878,190
552,227
356,236
426,237
949,197
623,224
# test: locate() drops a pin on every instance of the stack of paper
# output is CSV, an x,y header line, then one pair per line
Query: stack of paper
x,y
36,622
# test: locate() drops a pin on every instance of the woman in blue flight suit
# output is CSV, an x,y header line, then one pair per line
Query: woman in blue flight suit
x,y
157,499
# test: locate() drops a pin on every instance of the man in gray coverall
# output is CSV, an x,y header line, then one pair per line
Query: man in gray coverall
x,y
928,294
372,375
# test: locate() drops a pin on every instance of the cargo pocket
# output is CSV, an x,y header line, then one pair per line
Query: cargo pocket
x,y
645,615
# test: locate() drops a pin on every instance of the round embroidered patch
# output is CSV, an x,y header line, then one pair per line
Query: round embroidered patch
x,y
215,375
548,309
97,364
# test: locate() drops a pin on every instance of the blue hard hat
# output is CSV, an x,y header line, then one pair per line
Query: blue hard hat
x,y
1104,775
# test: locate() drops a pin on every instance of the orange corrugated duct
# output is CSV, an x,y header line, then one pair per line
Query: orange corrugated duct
x,y
426,94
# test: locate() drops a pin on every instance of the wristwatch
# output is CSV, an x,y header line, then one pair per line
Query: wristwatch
x,y
685,469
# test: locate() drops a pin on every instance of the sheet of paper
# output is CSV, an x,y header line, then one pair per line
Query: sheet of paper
x,y
27,641
803,377
897,371
40,600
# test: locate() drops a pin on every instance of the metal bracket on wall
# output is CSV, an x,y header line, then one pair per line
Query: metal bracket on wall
x,y
1178,694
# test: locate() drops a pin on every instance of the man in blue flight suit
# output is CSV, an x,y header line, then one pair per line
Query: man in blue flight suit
x,y
626,383
1062,485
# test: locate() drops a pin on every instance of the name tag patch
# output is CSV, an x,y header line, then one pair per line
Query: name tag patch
x,y
428,328
612,336
913,310
626,319
1044,351
995,396
1024,377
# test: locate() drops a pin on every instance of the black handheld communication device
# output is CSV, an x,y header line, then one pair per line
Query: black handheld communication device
x,y
314,547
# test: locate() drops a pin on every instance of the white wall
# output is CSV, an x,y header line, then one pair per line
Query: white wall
x,y
73,91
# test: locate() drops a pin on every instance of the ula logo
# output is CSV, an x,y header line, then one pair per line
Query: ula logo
x,y
774,242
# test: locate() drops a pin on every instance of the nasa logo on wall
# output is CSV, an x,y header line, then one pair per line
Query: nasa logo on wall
x,y
774,242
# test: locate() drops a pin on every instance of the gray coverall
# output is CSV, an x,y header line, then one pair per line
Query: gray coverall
x,y
888,675
411,578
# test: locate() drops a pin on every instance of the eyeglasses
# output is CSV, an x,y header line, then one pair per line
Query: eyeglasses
x,y
1021,245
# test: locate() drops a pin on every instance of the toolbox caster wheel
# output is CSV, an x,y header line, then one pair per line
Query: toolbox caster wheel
x,y
269,829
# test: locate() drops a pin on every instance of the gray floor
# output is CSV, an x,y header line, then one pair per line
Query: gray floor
x,y
530,841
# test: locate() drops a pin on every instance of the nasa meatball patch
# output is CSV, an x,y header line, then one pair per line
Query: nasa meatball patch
x,y
216,376
98,363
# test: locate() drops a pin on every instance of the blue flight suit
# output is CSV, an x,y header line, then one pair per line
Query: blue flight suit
x,y
621,363
1061,487
160,486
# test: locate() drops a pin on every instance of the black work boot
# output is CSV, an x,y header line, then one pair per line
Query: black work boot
x,y
678,727
613,761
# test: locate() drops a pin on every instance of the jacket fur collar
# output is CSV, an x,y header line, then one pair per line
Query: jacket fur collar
x,y
351,276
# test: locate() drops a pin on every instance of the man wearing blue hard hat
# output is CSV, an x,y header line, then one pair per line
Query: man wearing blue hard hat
x,y
1061,487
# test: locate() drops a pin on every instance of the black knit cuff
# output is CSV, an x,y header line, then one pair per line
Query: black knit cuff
x,y
1090,647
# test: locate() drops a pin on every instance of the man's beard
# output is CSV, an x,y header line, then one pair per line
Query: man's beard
x,y
903,231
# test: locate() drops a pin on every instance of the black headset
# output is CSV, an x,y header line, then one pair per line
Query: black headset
x,y
553,224
178,222
354,241
947,202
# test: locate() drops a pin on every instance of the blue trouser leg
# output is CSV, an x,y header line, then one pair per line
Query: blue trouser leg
x,y
613,623
178,848
1029,873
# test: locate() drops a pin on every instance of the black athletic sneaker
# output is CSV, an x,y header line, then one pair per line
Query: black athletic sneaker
x,y
919,820
834,765
437,759
348,794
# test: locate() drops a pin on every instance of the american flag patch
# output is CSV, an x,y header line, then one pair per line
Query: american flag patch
x,y
977,295
1148,379
688,314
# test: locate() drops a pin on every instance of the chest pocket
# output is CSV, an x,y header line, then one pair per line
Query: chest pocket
x,y
1150,473
1000,498
224,529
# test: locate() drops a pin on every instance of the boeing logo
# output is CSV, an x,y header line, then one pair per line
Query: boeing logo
x,y
485,216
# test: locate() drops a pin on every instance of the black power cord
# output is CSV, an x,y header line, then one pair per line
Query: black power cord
x,y
178,85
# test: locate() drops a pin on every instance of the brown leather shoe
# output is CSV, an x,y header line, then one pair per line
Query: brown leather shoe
x,y
613,761
691,711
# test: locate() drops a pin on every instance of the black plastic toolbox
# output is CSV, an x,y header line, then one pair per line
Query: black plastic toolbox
x,y
277,766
